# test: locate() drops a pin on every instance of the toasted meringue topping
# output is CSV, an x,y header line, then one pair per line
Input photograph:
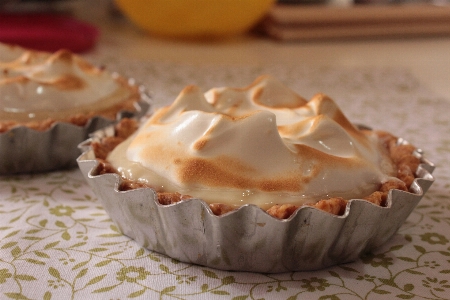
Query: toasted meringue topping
x,y
38,85
262,144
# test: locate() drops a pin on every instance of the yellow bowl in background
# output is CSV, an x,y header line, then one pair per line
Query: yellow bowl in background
x,y
195,18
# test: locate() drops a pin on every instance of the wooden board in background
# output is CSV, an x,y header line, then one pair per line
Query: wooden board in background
x,y
306,22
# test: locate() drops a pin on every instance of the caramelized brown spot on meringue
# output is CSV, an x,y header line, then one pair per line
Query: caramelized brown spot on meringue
x,y
67,82
200,144
225,172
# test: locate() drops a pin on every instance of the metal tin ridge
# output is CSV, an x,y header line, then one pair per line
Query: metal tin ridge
x,y
249,239
24,150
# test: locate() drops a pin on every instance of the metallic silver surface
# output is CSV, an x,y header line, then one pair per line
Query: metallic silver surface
x,y
23,150
249,239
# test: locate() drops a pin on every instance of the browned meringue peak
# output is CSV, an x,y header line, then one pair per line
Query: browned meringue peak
x,y
264,91
262,144
13,57
37,86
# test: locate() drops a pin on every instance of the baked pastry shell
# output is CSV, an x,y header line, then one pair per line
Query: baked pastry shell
x,y
249,239
25,150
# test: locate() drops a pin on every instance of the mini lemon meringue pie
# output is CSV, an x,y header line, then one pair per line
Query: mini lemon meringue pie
x,y
50,102
254,179
38,88
262,145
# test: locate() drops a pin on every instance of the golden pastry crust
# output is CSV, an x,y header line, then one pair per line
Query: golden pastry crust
x,y
402,156
128,104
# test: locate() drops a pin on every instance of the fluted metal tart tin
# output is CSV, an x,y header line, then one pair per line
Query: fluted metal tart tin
x,y
249,239
24,150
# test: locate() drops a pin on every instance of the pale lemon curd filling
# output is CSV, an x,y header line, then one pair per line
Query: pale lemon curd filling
x,y
37,86
262,144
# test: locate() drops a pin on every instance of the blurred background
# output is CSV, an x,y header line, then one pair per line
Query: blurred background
x,y
77,24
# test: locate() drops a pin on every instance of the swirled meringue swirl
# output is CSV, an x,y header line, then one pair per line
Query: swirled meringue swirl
x,y
262,145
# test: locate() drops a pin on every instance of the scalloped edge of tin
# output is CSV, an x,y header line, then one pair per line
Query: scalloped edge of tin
x,y
249,239
24,150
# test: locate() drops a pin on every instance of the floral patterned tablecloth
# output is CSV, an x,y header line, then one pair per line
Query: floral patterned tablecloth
x,y
57,242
